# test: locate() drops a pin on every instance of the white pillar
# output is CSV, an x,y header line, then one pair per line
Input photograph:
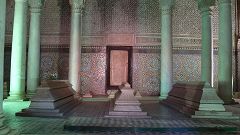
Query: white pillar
x,y
34,47
18,59
4,130
2,45
166,48
225,87
207,47
75,44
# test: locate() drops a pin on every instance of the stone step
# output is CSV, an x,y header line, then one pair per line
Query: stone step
x,y
127,108
39,114
41,110
214,113
215,117
128,100
128,113
128,116
127,103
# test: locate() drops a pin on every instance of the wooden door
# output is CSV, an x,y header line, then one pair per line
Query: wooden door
x,y
118,67
119,61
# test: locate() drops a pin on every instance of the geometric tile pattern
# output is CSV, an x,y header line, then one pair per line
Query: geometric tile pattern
x,y
54,64
93,73
148,17
93,17
186,18
9,16
120,16
146,69
146,73
56,17
186,67
126,16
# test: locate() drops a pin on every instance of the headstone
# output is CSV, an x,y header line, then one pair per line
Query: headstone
x,y
87,95
112,93
236,97
52,99
127,105
138,95
197,100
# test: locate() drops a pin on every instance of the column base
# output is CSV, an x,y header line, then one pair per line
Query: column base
x,y
30,95
229,102
163,97
16,98
4,130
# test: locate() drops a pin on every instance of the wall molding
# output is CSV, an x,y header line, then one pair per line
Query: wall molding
x,y
144,40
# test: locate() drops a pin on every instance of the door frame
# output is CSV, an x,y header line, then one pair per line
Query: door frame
x,y
130,52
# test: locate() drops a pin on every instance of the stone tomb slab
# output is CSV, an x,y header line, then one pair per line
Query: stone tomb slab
x,y
197,100
52,99
127,105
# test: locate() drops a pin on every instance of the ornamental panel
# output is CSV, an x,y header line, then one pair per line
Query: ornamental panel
x,y
93,73
186,19
146,73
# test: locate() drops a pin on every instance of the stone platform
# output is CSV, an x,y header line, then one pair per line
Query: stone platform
x,y
126,105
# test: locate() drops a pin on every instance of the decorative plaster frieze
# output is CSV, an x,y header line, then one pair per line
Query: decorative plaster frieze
x,y
166,4
93,49
224,2
204,5
36,5
77,5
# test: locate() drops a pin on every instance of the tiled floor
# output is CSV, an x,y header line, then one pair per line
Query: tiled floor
x,y
90,110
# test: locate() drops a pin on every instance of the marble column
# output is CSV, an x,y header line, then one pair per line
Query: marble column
x,y
207,46
166,48
18,58
75,44
225,85
34,47
4,130
2,44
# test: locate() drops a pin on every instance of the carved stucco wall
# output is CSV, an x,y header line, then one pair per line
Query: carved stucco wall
x,y
137,23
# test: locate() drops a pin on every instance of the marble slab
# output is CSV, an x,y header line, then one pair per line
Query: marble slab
x,y
52,99
197,100
127,105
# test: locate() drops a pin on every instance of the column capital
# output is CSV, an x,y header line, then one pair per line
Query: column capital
x,y
224,2
166,4
204,5
77,5
36,5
